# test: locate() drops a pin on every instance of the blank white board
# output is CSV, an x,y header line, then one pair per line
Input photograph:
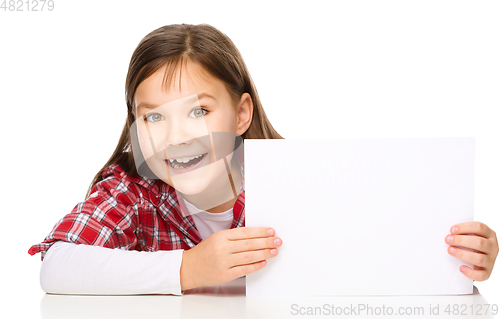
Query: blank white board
x,y
360,216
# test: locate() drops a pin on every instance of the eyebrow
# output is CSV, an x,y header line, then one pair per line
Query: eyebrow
x,y
153,106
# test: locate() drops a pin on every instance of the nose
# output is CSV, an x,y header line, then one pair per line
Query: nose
x,y
176,134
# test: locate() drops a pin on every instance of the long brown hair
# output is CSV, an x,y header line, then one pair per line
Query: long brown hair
x,y
172,45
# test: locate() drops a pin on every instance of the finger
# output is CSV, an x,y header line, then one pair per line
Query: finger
x,y
476,228
474,274
477,259
478,243
250,257
249,232
254,244
243,270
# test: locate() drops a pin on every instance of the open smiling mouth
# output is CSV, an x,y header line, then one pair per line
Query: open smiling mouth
x,y
182,165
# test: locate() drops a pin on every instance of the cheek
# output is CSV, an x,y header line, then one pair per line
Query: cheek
x,y
145,142
223,144
224,133
224,121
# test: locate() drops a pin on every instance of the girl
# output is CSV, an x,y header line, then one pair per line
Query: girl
x,y
171,196
134,204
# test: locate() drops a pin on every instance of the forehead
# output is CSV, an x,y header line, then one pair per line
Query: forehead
x,y
174,82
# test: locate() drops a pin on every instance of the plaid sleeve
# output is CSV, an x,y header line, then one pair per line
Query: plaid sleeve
x,y
108,218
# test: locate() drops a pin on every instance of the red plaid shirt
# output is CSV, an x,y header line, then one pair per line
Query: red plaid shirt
x,y
132,213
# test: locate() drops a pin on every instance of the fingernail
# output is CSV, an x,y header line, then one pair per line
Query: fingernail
x,y
271,231
277,242
449,239
454,229
274,251
452,250
463,268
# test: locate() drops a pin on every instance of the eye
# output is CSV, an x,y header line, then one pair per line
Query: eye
x,y
198,112
154,117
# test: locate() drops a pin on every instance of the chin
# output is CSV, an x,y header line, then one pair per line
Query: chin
x,y
188,186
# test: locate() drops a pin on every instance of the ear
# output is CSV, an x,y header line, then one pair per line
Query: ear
x,y
244,113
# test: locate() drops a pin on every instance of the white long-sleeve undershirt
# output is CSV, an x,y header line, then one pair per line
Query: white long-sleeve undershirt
x,y
69,268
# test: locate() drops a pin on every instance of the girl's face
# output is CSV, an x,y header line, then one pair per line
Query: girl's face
x,y
187,130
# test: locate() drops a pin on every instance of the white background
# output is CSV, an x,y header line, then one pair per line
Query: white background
x,y
323,69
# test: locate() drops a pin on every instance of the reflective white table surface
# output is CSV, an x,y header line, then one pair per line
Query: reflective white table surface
x,y
229,301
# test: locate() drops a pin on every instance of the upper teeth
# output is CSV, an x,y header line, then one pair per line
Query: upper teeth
x,y
184,159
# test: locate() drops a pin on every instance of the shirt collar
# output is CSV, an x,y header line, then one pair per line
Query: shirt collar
x,y
159,190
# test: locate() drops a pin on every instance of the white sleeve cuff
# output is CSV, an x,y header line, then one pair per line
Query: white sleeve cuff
x,y
69,268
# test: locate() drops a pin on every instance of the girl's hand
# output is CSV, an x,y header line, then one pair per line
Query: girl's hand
x,y
484,244
226,255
